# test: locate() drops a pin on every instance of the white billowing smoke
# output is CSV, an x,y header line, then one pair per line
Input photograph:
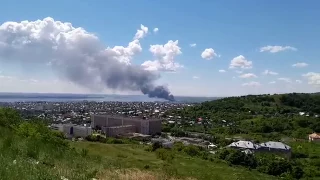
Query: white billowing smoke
x,y
78,55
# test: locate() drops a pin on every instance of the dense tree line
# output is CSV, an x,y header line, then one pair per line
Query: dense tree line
x,y
256,114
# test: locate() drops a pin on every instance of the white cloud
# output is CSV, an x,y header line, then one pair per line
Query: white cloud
x,y
275,49
208,54
240,62
75,55
267,72
222,71
155,30
300,65
56,36
272,82
313,78
239,72
142,32
288,80
195,77
298,81
18,84
165,55
14,84
6,78
248,75
252,84
193,45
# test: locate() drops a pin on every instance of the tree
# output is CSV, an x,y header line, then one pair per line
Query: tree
x,y
156,145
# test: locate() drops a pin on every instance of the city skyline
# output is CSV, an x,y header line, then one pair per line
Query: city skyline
x,y
211,49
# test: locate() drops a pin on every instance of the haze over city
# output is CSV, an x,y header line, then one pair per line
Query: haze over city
x,y
213,48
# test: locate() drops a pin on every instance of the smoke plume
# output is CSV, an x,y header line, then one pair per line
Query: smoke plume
x,y
78,56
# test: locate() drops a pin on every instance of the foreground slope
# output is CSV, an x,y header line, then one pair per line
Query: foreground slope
x,y
29,150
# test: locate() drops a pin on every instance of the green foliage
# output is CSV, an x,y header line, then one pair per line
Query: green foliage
x,y
29,150
164,154
109,140
237,158
192,150
156,145
260,118
260,114
9,118
178,146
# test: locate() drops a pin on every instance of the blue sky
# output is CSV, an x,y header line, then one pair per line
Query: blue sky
x,y
230,28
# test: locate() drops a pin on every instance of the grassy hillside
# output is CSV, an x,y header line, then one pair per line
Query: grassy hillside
x,y
29,150
182,166
269,115
288,117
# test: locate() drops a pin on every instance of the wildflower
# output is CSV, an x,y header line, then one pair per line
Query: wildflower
x,y
63,178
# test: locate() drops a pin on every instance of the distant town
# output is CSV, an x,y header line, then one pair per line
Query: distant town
x,y
224,129
137,120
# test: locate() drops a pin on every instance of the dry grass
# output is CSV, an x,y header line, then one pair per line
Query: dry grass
x,y
135,174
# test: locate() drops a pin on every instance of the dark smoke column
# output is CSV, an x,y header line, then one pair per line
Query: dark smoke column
x,y
158,92
118,76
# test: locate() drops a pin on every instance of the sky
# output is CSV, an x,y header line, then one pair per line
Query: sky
x,y
193,48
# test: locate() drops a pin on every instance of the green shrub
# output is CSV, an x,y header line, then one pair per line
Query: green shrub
x,y
164,154
114,141
178,146
156,145
147,166
84,152
192,150
240,158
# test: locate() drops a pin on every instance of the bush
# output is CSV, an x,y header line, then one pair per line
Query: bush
x,y
240,158
114,141
222,154
178,146
156,145
148,148
84,152
274,165
192,150
164,154
91,138
299,155
297,172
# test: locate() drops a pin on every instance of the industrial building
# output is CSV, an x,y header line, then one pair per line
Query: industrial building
x,y
72,130
116,125
118,130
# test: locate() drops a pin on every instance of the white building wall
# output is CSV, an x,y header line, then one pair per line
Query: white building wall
x,y
81,131
144,127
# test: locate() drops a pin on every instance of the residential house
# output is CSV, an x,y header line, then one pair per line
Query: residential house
x,y
276,147
244,145
314,137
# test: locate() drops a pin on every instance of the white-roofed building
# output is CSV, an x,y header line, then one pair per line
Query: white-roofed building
x,y
276,147
243,145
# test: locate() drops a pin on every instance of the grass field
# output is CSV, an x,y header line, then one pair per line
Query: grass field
x,y
31,151
134,156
